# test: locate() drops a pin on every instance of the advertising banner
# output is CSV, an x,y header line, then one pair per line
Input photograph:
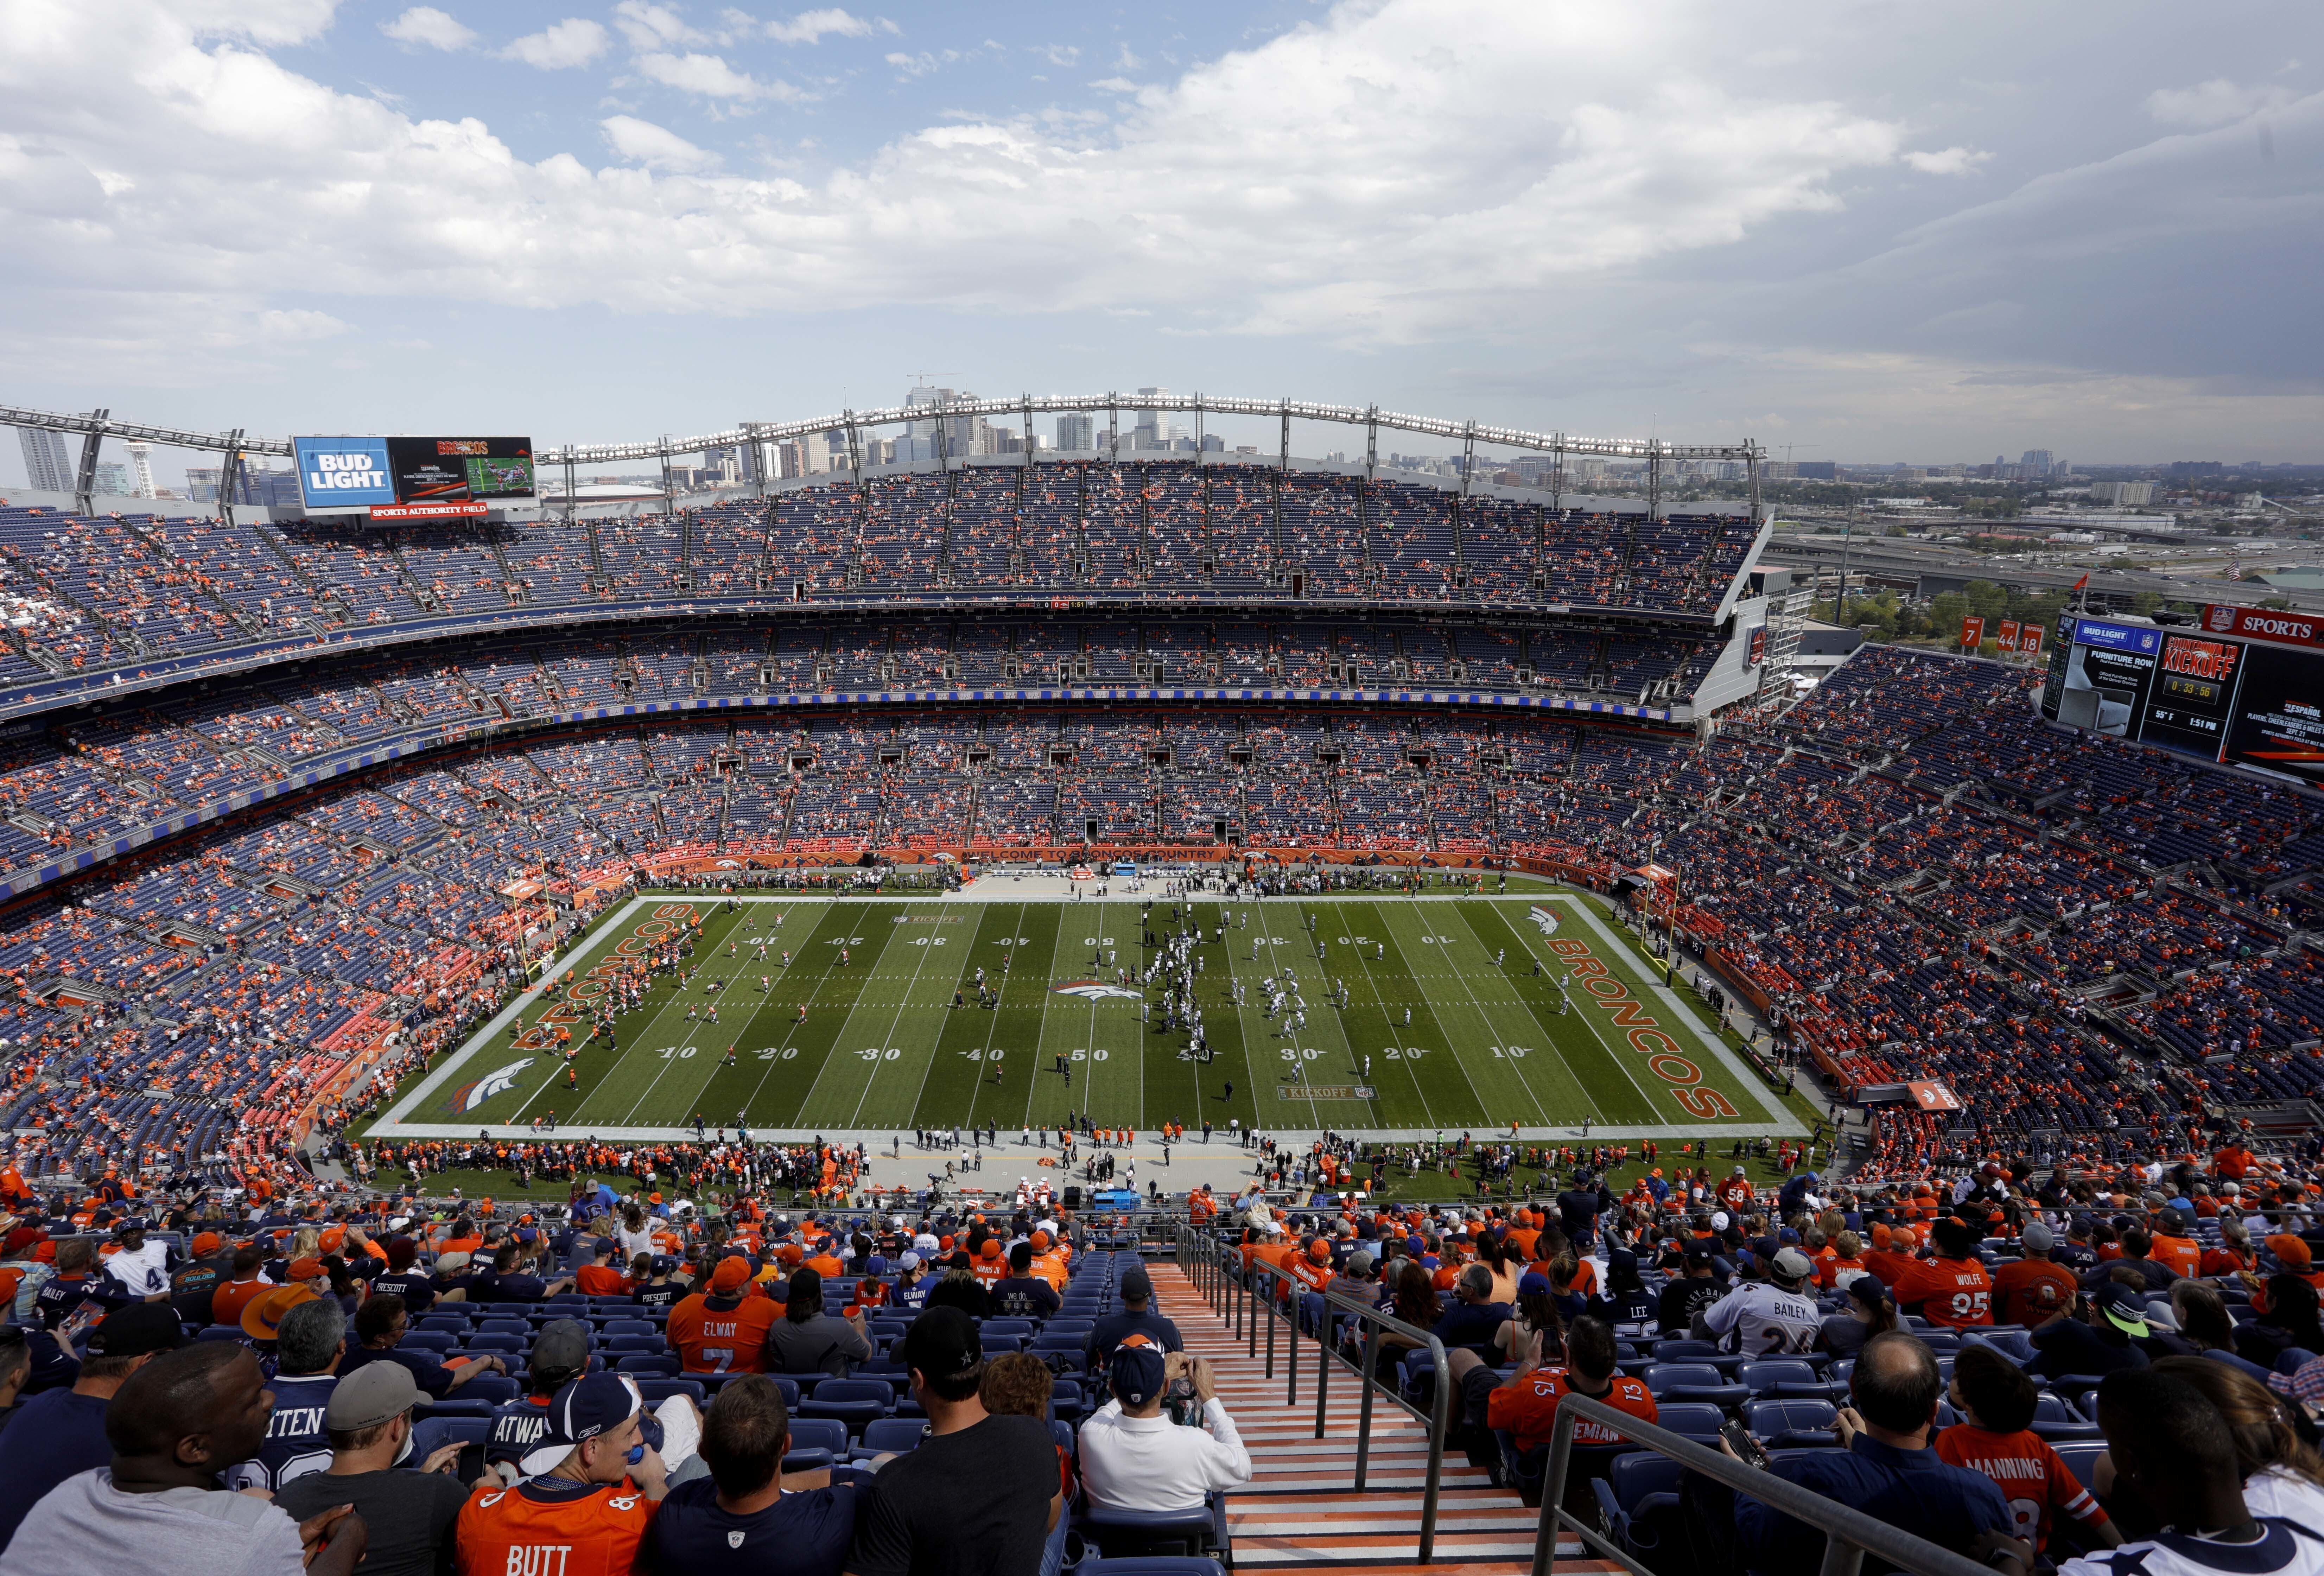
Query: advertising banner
x,y
2194,694
2278,724
2108,676
343,473
1972,631
2260,623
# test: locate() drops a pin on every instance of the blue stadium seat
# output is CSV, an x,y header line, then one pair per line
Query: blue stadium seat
x,y
1693,1381
856,1403
890,1434
663,1365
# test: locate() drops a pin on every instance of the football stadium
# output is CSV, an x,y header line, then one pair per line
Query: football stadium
x,y
978,930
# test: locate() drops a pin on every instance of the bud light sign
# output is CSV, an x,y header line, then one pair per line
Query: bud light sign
x,y
343,473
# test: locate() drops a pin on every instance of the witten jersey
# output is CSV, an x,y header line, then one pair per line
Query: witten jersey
x,y
295,1443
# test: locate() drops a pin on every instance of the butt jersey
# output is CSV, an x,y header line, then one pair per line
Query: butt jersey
x,y
2033,1477
711,1340
1950,1292
295,1443
1760,1320
547,1527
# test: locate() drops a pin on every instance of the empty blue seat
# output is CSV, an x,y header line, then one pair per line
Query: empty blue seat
x,y
427,1340
628,1327
1790,1422
663,1365
517,1327
497,1388
1638,1500
855,1403
1696,1419
657,1391
506,1345
1762,1376
1693,1381
814,1437
891,1435
623,1345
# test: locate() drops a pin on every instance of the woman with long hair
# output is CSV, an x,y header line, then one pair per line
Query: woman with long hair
x,y
809,1341
1414,1301
1870,1312
2282,1474
1537,1334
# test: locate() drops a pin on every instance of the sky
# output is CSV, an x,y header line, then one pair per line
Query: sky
x,y
1866,232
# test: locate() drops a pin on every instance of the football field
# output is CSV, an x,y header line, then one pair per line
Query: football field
x,y
1424,1015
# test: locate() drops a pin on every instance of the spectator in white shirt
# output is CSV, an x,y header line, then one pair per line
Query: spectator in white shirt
x,y
1134,1457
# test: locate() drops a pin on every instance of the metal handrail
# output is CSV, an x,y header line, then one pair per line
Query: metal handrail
x,y
1849,1533
1241,1303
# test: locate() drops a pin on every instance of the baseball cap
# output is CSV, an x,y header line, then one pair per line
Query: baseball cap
x,y
730,1276
2291,1251
2124,1309
908,1260
1703,1249
1794,1264
1137,1283
205,1243
1718,1221
306,1268
137,1328
590,1406
942,1343
1534,1284
662,1264
2039,1237
452,1262
562,1347
261,1319
369,1396
1137,1371
1360,1264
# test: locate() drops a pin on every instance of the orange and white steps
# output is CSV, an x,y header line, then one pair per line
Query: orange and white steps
x,y
1301,1512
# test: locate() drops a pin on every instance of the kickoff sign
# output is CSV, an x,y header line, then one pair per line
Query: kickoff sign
x,y
343,473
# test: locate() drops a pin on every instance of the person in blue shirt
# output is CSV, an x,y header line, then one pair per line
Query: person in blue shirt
x,y
1474,1316
741,1520
1888,1469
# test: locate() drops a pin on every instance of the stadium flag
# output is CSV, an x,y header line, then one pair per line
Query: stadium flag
x,y
1972,631
1933,1097
2085,580
2029,641
2006,636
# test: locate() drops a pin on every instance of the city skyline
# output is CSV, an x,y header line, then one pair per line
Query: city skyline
x,y
1841,231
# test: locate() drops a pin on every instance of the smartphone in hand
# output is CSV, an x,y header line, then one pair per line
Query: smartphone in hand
x,y
1749,1451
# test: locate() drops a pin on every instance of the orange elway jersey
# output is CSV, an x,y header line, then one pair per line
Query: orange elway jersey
x,y
722,1341
2033,1477
546,1528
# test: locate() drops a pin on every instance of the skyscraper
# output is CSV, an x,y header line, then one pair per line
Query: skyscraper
x,y
1151,431
1076,432
48,463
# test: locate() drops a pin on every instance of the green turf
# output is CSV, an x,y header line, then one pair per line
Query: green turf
x,y
1454,1041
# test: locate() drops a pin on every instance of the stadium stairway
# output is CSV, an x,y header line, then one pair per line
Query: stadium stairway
x,y
1300,1513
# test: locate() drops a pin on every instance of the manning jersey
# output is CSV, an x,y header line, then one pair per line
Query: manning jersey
x,y
2033,1477
710,1339
547,1526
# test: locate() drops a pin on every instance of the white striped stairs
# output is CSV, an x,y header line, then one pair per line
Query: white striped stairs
x,y
1301,1512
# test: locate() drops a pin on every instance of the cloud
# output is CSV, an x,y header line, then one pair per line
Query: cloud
x,y
424,24
293,327
1114,85
918,65
561,45
712,78
1946,161
655,147
813,26
2216,103
648,26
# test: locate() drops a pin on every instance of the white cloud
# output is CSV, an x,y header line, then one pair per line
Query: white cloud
x,y
1946,161
712,78
918,65
424,24
1114,85
813,26
575,41
655,147
649,26
1323,182
291,327
2216,103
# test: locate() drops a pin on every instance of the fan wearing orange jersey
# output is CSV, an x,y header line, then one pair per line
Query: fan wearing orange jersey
x,y
587,1515
1952,1289
725,1330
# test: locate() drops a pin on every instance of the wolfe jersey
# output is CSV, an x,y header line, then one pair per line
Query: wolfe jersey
x,y
1951,1292
722,1340
547,1527
295,1443
2033,1477
1528,1408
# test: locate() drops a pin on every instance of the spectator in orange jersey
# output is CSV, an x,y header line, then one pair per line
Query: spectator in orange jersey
x,y
1998,1440
724,1330
590,1511
1952,1289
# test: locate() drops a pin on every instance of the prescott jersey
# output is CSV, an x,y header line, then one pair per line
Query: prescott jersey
x,y
142,1274
1759,1319
733,1340
1528,1407
295,1443
549,1526
665,1295
2033,1477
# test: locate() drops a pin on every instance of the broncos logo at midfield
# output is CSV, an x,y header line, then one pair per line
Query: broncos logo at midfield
x,y
1097,990
468,1096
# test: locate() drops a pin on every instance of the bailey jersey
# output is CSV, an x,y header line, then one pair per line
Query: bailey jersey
x,y
1764,1321
549,1526
295,1443
60,1296
711,1340
517,1429
2033,1477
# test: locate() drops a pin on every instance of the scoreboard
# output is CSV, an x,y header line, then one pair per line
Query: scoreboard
x,y
2245,688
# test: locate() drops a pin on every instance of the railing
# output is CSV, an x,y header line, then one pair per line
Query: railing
x,y
1849,1533
1202,1260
